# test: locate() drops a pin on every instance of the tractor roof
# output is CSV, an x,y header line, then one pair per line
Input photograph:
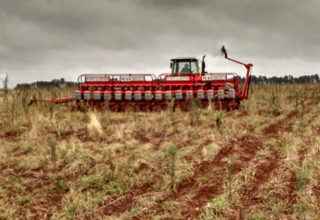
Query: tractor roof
x,y
184,59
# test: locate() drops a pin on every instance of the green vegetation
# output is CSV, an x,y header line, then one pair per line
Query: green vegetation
x,y
258,162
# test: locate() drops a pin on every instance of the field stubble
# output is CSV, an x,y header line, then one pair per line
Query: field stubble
x,y
258,162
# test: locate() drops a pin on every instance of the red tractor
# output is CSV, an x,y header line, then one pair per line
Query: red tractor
x,y
185,83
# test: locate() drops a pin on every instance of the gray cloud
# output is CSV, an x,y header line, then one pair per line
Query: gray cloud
x,y
42,39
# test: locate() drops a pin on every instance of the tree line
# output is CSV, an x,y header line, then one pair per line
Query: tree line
x,y
43,84
254,79
284,79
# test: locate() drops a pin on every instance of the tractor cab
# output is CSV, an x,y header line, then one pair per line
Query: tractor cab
x,y
186,66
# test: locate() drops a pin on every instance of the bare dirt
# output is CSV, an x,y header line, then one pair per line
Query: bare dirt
x,y
264,169
192,196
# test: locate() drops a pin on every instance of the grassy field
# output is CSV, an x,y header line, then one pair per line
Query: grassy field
x,y
258,162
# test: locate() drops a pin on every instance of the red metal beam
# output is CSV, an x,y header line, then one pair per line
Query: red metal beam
x,y
54,101
244,93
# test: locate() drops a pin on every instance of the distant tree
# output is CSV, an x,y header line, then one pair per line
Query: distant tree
x,y
62,82
53,83
285,79
5,82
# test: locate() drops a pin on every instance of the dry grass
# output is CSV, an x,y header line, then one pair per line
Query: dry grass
x,y
259,162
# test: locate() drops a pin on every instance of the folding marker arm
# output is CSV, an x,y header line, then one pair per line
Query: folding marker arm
x,y
244,93
54,101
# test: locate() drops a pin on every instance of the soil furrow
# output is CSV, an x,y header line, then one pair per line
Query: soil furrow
x,y
192,197
263,171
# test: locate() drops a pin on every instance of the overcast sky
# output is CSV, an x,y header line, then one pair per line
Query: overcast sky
x,y
46,39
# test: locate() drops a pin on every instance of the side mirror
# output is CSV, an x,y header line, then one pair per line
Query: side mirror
x,y
171,65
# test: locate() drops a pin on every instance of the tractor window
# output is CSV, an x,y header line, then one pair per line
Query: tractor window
x,y
184,67
194,67
175,67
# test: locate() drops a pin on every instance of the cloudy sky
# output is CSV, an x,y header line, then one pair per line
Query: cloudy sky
x,y
46,39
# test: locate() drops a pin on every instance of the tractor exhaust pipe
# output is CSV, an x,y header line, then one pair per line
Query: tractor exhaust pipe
x,y
203,65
